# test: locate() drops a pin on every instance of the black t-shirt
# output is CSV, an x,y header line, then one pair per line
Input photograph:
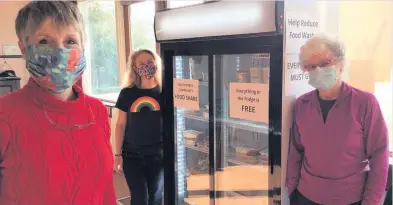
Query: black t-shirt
x,y
143,132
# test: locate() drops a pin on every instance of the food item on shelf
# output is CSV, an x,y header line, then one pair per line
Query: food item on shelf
x,y
200,138
256,75
190,137
253,153
241,150
264,155
191,134
189,142
247,155
248,159
242,77
245,150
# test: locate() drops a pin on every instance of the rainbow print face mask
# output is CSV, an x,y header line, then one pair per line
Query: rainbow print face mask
x,y
55,69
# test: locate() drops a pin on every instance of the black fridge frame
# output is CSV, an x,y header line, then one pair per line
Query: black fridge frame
x,y
268,43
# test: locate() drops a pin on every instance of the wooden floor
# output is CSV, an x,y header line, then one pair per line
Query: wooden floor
x,y
121,188
232,179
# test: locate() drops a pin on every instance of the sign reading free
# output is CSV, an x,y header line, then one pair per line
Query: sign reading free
x,y
249,101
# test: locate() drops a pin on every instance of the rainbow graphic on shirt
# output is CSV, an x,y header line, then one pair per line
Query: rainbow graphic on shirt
x,y
145,102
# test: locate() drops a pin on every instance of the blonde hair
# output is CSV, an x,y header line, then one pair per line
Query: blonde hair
x,y
131,78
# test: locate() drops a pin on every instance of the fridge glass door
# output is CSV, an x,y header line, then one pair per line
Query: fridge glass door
x,y
242,117
191,126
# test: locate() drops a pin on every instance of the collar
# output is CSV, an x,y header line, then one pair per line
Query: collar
x,y
43,99
313,98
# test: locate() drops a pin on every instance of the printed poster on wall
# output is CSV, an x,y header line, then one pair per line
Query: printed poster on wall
x,y
249,101
296,80
300,26
186,93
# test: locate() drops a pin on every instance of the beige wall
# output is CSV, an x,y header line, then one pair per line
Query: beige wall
x,y
366,28
8,13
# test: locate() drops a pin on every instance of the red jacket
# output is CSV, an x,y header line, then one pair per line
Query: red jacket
x,y
45,165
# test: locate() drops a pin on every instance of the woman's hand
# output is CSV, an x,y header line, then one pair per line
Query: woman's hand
x,y
118,165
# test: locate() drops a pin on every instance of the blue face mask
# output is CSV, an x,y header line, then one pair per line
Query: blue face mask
x,y
323,78
55,69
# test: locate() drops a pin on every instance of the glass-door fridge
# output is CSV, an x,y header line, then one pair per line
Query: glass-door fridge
x,y
222,118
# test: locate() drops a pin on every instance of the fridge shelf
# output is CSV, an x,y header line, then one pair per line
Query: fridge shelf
x,y
230,160
203,83
262,128
195,117
234,123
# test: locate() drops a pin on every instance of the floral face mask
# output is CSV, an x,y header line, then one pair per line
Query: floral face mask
x,y
55,69
146,70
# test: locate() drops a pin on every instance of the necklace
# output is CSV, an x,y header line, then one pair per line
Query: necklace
x,y
64,126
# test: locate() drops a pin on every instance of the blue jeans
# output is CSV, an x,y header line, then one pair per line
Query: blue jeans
x,y
145,177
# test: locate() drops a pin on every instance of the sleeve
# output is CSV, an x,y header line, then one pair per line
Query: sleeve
x,y
122,101
107,124
295,158
109,196
377,150
5,136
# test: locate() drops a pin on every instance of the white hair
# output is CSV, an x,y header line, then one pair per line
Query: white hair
x,y
323,41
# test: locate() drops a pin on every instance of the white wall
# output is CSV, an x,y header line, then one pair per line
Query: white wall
x,y
326,14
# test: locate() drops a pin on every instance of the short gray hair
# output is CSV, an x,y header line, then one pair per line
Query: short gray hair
x,y
62,13
332,43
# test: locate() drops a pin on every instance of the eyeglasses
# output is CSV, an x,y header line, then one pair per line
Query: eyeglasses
x,y
322,64
66,126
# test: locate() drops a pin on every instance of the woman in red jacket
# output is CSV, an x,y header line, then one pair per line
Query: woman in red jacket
x,y
54,139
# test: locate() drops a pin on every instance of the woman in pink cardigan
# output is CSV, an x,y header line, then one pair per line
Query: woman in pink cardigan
x,y
338,152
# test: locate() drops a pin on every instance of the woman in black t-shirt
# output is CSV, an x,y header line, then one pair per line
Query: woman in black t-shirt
x,y
138,137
